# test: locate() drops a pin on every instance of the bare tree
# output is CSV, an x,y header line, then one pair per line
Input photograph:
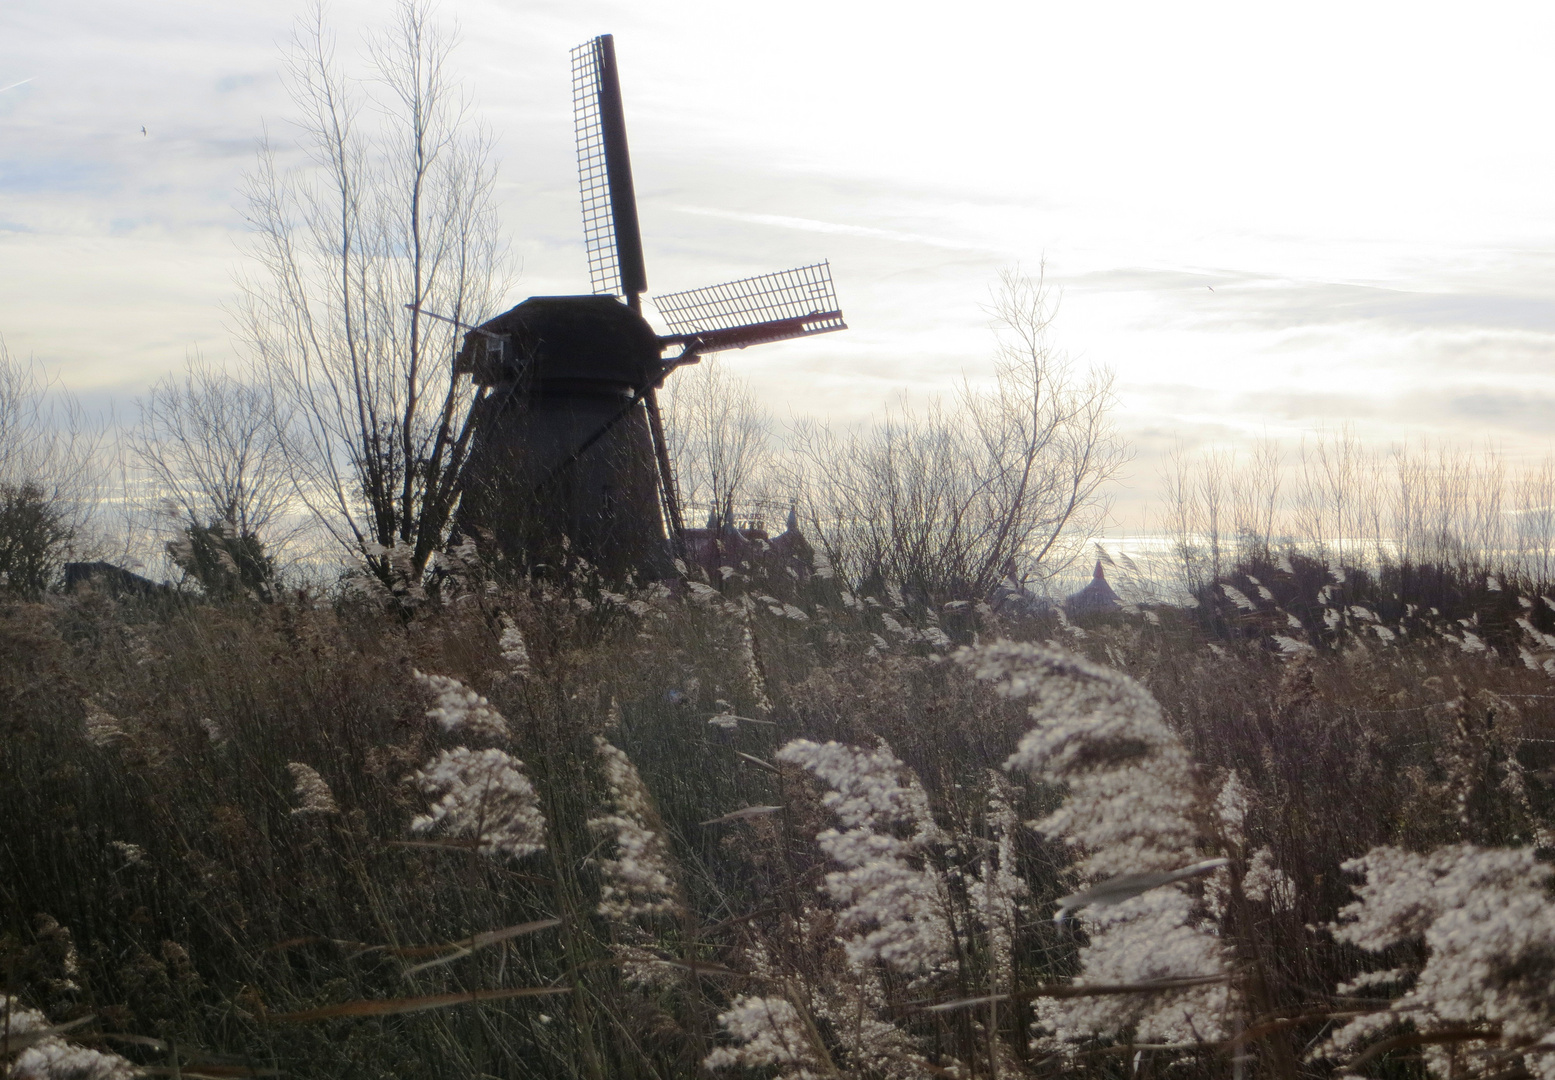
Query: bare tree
x,y
1009,482
1335,510
719,437
1534,521
1219,510
210,445
1047,435
47,438
1258,497
1185,520
52,478
208,449
391,219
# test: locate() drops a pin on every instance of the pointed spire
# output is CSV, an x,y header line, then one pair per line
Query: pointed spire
x,y
792,524
1097,596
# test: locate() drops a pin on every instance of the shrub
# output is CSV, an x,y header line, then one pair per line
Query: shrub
x,y
35,536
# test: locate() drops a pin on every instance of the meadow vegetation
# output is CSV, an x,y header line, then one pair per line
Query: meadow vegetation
x,y
761,825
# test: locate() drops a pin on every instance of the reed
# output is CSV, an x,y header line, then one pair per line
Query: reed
x,y
758,822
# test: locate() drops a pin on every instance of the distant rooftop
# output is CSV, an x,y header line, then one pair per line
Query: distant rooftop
x,y
1097,596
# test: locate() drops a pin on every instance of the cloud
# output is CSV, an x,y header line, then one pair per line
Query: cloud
x,y
1487,410
1232,300
1291,304
809,225
32,176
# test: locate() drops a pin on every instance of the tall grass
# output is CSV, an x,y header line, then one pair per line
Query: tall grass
x,y
769,826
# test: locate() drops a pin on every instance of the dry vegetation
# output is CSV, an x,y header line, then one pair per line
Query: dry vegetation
x,y
531,829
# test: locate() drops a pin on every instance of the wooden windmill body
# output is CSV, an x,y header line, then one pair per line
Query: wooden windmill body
x,y
569,452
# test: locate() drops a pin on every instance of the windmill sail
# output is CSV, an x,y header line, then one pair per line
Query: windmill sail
x,y
611,235
752,311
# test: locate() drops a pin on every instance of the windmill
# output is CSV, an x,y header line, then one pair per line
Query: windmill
x,y
569,440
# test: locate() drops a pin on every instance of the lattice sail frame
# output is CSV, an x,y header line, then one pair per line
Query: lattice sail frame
x,y
599,229
611,237
755,310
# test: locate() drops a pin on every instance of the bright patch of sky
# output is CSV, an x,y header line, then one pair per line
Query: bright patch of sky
x,y
1266,218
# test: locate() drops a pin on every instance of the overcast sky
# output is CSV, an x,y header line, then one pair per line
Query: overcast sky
x,y
1267,219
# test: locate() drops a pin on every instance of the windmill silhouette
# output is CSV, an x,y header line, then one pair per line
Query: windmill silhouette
x,y
569,448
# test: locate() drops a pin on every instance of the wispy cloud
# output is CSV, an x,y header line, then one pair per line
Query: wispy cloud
x,y
780,221
1221,300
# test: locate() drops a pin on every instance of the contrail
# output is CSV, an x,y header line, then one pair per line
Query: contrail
x,y
14,85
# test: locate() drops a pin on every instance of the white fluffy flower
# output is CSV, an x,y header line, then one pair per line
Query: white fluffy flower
x,y
1231,806
1148,938
1238,597
101,728
753,670
1266,883
895,909
769,1032
132,854
18,1019
1470,642
458,708
313,794
1489,927
515,650
485,797
1291,646
995,890
52,1057
703,594
936,637
639,880
1539,636
1130,811
1129,778
56,1059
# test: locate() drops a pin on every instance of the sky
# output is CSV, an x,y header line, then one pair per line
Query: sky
x,y
1266,219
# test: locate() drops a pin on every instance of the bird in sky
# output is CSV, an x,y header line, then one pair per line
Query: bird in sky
x,y
143,129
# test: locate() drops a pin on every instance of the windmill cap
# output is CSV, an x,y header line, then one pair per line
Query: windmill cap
x,y
565,339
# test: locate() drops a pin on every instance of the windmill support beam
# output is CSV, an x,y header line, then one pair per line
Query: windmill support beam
x,y
667,486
